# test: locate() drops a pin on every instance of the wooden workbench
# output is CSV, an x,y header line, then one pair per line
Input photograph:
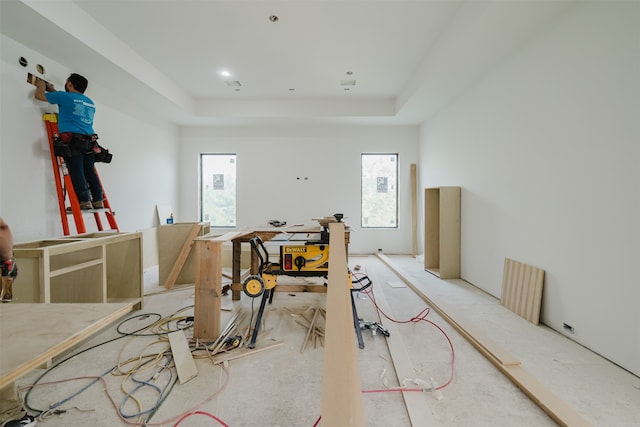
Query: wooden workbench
x,y
208,280
33,334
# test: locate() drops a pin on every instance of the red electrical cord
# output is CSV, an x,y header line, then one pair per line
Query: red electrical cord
x,y
420,317
200,413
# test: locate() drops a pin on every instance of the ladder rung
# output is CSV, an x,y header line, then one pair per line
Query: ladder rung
x,y
105,210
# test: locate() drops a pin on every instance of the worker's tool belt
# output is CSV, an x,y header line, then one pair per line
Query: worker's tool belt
x,y
73,144
102,155
9,267
61,148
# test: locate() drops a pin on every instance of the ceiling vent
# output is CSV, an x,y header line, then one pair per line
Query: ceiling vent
x,y
347,82
233,83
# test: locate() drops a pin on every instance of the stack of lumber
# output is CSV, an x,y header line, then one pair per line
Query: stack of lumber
x,y
314,323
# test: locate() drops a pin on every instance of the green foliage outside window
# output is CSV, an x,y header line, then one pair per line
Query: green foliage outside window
x,y
218,189
379,191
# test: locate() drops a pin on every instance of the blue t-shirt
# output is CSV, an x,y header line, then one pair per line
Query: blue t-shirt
x,y
75,112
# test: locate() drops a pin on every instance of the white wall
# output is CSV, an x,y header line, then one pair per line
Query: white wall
x,y
547,151
142,174
269,160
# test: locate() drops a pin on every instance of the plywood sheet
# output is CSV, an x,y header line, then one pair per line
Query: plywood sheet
x,y
522,289
182,256
50,330
182,357
171,242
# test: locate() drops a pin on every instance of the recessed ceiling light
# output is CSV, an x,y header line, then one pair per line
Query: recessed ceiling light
x,y
225,73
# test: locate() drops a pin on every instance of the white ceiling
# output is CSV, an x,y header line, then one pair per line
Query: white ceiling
x,y
408,58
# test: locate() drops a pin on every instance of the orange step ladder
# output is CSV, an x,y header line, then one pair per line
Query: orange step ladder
x,y
65,188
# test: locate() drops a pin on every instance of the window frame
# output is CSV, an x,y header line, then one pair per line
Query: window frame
x,y
201,189
362,192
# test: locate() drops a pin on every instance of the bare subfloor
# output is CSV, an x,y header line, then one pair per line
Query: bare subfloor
x,y
282,386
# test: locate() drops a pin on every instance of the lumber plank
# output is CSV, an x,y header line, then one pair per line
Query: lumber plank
x,y
242,352
53,328
224,237
419,412
414,211
310,330
477,338
182,257
76,267
342,402
285,287
182,357
554,406
208,289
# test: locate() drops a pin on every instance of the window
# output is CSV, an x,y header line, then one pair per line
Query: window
x,y
379,191
218,189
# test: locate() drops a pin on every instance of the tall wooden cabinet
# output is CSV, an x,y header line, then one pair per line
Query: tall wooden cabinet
x,y
442,231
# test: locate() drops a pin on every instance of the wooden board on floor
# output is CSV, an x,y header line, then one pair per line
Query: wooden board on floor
x,y
182,358
244,351
522,289
32,334
417,406
552,404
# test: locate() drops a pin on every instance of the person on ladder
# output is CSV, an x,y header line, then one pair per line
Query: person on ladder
x,y
75,123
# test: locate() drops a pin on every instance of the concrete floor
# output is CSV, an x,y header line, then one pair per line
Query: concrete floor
x,y
281,386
